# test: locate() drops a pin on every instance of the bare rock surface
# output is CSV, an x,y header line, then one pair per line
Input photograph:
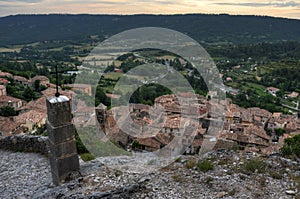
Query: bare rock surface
x,y
23,174
28,176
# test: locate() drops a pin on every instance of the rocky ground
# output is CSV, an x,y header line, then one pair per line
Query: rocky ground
x,y
220,174
23,174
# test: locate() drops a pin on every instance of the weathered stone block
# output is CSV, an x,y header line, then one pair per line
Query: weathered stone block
x,y
60,134
61,168
55,179
59,111
63,149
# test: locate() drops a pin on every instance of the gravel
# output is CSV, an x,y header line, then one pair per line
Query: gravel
x,y
26,175
23,174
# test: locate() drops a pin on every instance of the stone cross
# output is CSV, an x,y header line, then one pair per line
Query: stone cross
x,y
57,94
63,155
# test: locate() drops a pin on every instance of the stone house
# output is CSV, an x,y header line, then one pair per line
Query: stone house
x,y
9,127
251,136
293,95
2,90
171,124
229,117
43,80
291,126
154,143
84,88
148,144
37,105
31,119
3,81
50,92
260,116
272,90
21,80
11,101
4,74
113,96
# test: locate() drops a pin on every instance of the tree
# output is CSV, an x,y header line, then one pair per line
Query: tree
x,y
36,85
280,131
28,94
100,97
8,111
291,146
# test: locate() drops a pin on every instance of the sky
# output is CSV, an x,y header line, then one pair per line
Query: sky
x,y
277,8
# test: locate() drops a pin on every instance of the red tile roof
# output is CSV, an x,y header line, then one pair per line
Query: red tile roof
x,y
9,127
20,79
4,74
3,81
32,116
9,98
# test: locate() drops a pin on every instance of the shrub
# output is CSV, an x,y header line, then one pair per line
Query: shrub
x,y
136,145
81,149
205,165
87,157
255,165
7,111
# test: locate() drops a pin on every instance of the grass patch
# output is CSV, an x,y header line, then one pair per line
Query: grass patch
x,y
275,174
190,164
205,165
87,157
260,89
178,159
177,178
224,161
93,142
255,165
113,75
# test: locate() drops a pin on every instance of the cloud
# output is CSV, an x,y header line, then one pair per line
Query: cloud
x,y
24,1
270,4
158,1
116,2
113,2
109,2
280,8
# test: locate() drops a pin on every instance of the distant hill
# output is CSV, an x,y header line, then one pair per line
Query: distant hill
x,y
21,29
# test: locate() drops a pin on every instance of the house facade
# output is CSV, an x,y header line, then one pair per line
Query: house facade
x,y
11,101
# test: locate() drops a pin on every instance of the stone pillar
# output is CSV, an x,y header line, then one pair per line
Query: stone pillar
x,y
101,113
63,155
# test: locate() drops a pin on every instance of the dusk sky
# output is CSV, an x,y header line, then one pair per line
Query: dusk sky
x,y
278,8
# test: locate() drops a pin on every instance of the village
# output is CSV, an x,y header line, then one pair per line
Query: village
x,y
31,115
251,129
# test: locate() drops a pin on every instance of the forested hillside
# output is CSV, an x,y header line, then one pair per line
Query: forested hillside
x,y
22,29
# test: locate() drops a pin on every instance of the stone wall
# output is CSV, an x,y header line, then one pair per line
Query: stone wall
x,y
225,144
25,143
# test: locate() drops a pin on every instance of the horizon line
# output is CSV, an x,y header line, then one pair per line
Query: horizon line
x,y
150,14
